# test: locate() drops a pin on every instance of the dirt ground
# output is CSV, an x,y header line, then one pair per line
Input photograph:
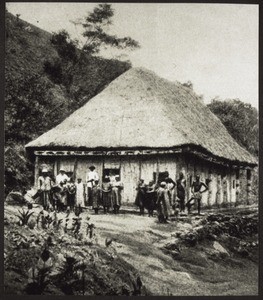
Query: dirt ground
x,y
139,240
200,270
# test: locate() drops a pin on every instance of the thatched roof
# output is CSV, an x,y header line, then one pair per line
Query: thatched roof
x,y
141,110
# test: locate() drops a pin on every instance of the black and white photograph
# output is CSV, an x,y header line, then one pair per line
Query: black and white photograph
x,y
131,149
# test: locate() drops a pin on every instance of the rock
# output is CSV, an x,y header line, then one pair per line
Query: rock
x,y
219,248
15,198
174,245
183,275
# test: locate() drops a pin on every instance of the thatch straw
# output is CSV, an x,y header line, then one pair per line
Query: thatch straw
x,y
140,109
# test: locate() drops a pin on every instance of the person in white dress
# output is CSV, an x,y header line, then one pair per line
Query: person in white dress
x,y
80,194
91,177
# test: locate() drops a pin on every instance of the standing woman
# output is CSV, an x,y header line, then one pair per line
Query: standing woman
x,y
114,193
150,198
64,194
71,193
163,209
91,176
120,189
96,196
44,187
106,195
80,194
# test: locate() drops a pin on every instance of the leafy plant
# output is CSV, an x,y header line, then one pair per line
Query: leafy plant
x,y
39,274
76,226
24,216
90,230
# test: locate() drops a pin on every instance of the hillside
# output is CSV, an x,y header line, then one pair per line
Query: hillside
x,y
28,47
32,92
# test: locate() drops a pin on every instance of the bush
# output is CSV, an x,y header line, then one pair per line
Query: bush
x,y
54,70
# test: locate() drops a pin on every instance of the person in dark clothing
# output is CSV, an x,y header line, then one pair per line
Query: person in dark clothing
x,y
170,187
197,194
181,190
162,203
96,196
150,198
106,195
140,197
71,194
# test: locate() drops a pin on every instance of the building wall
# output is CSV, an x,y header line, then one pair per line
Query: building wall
x,y
130,175
221,181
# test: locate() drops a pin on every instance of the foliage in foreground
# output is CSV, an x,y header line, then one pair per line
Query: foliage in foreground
x,y
64,258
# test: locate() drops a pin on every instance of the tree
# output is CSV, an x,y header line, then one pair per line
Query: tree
x,y
241,121
29,107
74,54
96,26
65,46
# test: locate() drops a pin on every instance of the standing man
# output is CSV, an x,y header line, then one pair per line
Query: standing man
x,y
44,185
140,196
181,189
197,193
61,176
91,177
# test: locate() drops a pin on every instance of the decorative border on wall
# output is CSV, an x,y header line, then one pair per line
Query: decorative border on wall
x,y
130,152
104,153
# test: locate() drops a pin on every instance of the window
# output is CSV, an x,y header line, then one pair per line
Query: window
x,y
106,172
162,176
234,184
248,174
207,181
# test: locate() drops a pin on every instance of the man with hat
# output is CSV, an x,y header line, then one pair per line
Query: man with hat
x,y
61,176
44,185
91,177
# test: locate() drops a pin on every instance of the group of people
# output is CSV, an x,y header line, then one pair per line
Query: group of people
x,y
167,196
63,193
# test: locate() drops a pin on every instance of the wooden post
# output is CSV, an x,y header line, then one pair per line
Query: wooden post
x,y
140,167
249,186
75,168
157,171
210,184
237,187
55,168
36,170
219,191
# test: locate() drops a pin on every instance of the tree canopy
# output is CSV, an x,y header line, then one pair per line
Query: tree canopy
x,y
96,26
241,121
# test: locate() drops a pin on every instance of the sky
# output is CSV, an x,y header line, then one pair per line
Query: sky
x,y
215,46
